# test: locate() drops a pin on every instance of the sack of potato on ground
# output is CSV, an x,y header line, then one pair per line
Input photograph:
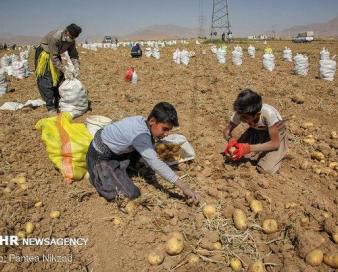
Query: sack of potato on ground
x,y
175,149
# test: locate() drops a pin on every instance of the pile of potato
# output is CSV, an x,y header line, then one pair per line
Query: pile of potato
x,y
168,152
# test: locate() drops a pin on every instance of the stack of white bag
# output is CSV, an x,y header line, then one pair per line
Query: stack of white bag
x,y
237,56
90,46
287,54
184,57
73,95
6,64
221,54
148,52
156,53
20,69
153,52
269,62
177,56
301,64
181,57
327,69
3,82
13,58
251,51
23,55
4,61
324,54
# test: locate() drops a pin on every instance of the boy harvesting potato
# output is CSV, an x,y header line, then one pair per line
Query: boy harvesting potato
x,y
123,142
265,141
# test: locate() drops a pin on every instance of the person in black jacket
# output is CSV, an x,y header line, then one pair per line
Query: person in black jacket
x,y
136,51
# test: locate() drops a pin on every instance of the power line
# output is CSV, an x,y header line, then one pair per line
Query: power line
x,y
201,19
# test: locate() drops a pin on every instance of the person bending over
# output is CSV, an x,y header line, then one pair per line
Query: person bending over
x,y
265,141
122,143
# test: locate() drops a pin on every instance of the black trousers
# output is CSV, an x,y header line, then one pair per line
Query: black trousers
x,y
136,54
108,174
48,93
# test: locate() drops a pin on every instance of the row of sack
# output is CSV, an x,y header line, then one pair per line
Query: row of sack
x,y
130,44
13,65
327,68
238,52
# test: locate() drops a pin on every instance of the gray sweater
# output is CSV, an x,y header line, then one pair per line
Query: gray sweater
x,y
132,133
53,43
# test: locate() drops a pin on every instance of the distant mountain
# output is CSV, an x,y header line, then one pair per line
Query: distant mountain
x,y
164,32
321,30
160,32
20,40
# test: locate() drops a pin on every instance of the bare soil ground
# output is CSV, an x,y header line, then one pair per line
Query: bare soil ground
x,y
302,200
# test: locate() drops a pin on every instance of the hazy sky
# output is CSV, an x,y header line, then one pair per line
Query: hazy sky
x,y
117,17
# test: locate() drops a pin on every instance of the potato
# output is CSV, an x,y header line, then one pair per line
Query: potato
x,y
21,234
209,211
290,205
333,165
240,219
55,214
38,204
29,227
23,186
307,125
331,260
130,207
217,246
270,226
317,155
193,259
7,190
314,257
335,237
160,148
309,140
174,246
236,264
304,221
20,180
326,215
256,206
155,258
176,148
316,170
257,266
117,221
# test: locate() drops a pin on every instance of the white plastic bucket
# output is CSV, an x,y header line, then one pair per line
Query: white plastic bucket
x,y
96,122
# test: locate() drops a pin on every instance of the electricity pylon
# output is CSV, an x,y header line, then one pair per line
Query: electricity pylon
x,y
220,19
